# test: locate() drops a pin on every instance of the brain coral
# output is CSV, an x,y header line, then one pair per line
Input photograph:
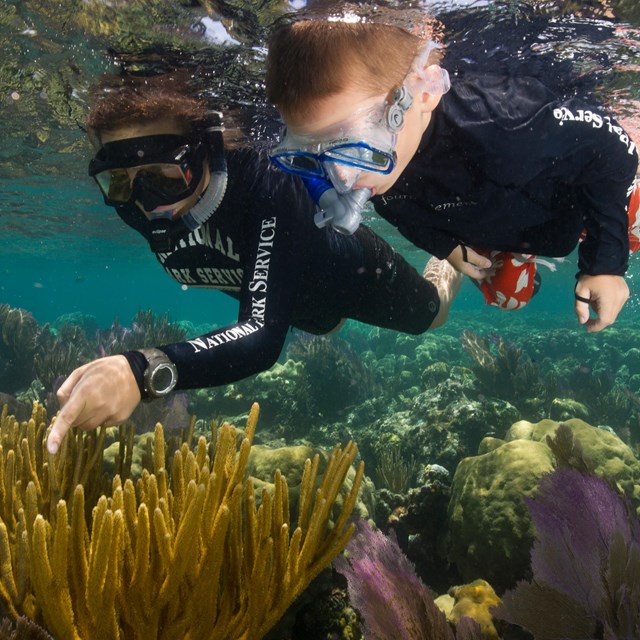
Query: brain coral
x,y
490,527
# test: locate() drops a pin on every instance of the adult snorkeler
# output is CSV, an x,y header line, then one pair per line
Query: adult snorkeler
x,y
488,171
228,219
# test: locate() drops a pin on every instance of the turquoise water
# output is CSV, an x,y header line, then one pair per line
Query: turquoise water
x,y
65,251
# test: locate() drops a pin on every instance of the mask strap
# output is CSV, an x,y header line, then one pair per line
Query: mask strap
x,y
436,79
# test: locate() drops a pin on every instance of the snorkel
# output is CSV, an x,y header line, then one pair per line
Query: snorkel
x,y
341,211
163,232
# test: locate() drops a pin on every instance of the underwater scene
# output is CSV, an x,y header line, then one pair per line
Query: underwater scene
x,y
476,481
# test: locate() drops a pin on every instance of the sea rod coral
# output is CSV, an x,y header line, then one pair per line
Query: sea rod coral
x,y
182,553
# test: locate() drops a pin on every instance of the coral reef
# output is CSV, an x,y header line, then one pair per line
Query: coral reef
x,y
585,562
334,376
490,526
24,629
193,530
392,600
419,520
146,329
395,471
501,366
34,360
475,600
18,331
58,354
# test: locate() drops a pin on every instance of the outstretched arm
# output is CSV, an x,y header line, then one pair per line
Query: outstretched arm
x,y
107,390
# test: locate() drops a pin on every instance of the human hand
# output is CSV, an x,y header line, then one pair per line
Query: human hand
x,y
470,262
604,294
101,392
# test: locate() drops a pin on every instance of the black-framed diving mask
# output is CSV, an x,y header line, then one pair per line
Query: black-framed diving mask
x,y
153,171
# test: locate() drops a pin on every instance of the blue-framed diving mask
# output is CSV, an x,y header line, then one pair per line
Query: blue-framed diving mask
x,y
330,165
366,142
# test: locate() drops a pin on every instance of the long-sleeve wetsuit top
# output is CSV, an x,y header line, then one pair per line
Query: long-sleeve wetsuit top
x,y
262,247
505,165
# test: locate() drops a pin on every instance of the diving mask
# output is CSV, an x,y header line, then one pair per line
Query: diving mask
x,y
366,142
153,171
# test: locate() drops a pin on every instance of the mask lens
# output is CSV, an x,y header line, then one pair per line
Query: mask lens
x,y
115,184
170,179
300,164
363,156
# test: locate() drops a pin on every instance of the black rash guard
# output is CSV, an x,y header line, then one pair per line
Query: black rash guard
x,y
262,247
505,165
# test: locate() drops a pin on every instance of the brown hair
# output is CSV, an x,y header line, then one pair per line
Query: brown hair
x,y
118,101
122,101
314,59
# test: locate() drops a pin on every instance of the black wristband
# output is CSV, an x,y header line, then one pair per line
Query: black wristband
x,y
138,364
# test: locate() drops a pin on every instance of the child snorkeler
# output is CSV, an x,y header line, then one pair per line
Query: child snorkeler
x,y
487,171
227,219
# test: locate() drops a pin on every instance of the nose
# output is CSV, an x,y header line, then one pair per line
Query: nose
x,y
132,172
343,176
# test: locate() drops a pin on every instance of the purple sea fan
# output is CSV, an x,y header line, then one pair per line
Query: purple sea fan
x,y
393,601
585,563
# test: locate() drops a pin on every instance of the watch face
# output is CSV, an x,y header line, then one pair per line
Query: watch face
x,y
161,375
163,379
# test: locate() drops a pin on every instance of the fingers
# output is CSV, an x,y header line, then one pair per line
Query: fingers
x,y
477,260
64,392
101,392
475,265
604,295
63,422
582,311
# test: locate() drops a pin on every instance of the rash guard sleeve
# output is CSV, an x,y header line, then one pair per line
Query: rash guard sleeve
x,y
607,167
274,225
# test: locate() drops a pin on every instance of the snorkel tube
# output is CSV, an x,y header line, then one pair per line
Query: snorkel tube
x,y
342,212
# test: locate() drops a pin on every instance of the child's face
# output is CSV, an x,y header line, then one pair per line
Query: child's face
x,y
340,110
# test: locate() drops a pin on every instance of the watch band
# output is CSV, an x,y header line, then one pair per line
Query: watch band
x,y
138,364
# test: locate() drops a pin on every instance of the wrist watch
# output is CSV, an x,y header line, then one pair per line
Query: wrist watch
x,y
161,375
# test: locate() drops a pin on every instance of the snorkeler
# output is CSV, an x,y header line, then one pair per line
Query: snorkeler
x,y
228,219
485,171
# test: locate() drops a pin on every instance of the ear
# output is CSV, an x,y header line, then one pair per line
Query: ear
x,y
429,101
434,82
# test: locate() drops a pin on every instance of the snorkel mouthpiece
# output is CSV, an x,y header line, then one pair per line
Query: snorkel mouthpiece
x,y
342,211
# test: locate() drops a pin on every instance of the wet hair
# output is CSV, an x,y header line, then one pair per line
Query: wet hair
x,y
120,101
312,59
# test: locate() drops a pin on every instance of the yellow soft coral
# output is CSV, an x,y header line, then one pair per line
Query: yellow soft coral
x,y
185,554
